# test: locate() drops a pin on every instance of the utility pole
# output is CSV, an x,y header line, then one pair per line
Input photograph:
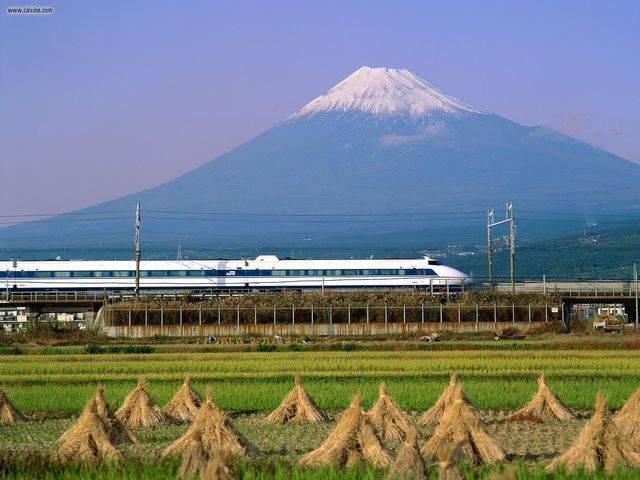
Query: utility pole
x,y
8,280
490,248
136,244
509,240
512,246
179,255
635,281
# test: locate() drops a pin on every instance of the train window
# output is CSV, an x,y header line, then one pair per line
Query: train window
x,y
177,273
197,273
426,271
349,272
61,274
120,273
158,273
278,273
81,274
434,262
101,274
41,274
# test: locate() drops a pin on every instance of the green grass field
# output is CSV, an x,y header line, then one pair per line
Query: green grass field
x,y
51,389
494,379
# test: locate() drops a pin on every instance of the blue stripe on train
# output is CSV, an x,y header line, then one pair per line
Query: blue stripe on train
x,y
222,273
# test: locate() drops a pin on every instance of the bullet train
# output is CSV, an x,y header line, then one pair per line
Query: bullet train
x,y
263,272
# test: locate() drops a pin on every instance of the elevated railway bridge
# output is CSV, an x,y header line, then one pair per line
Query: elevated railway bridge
x,y
84,306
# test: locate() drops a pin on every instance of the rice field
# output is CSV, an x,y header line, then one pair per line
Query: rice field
x,y
52,389
245,382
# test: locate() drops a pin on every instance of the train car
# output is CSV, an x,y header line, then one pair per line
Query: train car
x,y
263,272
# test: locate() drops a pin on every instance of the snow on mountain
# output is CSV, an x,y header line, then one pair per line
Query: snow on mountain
x,y
384,92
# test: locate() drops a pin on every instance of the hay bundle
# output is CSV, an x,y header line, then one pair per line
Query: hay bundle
x,y
215,430
220,467
627,419
409,463
460,428
185,403
435,413
97,405
118,431
599,445
296,407
88,439
446,464
388,419
8,412
139,409
205,464
544,405
353,441
194,457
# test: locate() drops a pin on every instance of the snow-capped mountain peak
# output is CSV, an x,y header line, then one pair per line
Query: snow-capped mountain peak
x,y
385,91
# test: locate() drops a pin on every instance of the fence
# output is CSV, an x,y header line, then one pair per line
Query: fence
x,y
312,319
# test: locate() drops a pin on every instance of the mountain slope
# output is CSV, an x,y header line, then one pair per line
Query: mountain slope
x,y
381,141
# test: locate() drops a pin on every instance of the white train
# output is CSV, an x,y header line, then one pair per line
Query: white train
x,y
263,272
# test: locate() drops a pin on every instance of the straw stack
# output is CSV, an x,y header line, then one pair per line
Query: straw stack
x,y
599,445
94,436
220,467
139,409
448,470
194,457
88,440
460,428
184,405
544,405
627,419
388,419
296,407
353,441
435,413
118,431
213,429
8,412
409,463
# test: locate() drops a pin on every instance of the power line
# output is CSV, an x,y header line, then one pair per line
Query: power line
x,y
26,215
237,220
345,214
65,220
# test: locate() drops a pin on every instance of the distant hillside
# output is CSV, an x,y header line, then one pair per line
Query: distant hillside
x,y
604,253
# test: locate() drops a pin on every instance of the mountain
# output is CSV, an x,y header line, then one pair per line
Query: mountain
x,y
383,144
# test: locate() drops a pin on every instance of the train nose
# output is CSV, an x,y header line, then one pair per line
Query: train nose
x,y
453,273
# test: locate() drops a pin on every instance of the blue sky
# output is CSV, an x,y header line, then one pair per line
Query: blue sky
x,y
99,100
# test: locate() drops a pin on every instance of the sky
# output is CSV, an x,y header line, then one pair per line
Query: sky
x,y
102,99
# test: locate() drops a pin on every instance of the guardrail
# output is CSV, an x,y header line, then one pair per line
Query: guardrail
x,y
56,296
569,289
577,289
